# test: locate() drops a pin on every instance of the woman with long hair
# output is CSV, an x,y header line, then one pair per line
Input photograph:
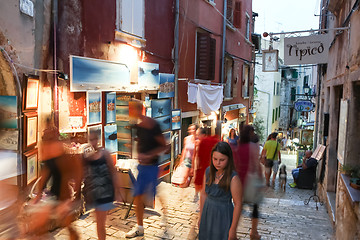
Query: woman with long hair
x,y
233,138
220,199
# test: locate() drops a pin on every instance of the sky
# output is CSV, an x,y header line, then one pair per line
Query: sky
x,y
286,15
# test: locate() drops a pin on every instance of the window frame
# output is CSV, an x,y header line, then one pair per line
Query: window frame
x,y
118,23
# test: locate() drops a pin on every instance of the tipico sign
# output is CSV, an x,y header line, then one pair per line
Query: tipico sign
x,y
304,106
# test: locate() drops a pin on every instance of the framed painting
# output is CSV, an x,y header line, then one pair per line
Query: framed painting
x,y
75,122
176,119
123,129
124,147
94,107
148,78
122,113
164,122
110,107
97,129
110,133
160,107
123,100
8,108
9,140
31,165
31,129
31,93
167,85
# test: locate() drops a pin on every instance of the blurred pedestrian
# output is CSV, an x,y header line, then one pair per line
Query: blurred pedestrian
x,y
247,163
150,144
233,138
203,159
101,186
60,205
271,154
220,199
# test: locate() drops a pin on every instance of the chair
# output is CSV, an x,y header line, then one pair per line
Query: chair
x,y
307,178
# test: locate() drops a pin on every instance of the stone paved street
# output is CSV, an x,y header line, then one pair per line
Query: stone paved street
x,y
283,216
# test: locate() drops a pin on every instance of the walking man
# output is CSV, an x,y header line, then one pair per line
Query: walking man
x,y
272,155
150,144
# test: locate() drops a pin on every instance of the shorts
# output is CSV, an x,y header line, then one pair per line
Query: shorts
x,y
274,164
146,181
187,162
104,206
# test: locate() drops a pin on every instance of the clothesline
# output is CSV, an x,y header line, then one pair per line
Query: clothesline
x,y
208,82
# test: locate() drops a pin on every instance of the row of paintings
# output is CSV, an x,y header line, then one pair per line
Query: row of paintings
x,y
91,74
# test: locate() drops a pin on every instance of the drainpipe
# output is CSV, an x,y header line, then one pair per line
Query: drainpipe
x,y
176,53
55,90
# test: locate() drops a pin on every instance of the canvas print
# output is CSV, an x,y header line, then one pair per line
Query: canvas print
x,y
94,107
10,165
164,169
9,140
97,129
123,129
160,108
92,74
123,100
165,123
8,111
124,146
110,133
122,113
167,85
75,122
32,166
176,119
149,78
31,129
165,157
110,107
32,94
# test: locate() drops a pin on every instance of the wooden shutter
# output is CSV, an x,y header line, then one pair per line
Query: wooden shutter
x,y
237,15
205,62
229,10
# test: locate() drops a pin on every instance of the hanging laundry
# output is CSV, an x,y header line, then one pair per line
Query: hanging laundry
x,y
209,98
192,92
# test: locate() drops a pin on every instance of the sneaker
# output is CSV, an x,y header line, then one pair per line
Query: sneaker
x,y
135,232
292,185
163,221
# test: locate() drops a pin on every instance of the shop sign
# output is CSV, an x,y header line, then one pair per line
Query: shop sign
x,y
306,50
304,106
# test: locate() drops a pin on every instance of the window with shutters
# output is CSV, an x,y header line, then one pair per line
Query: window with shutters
x,y
246,76
205,56
130,17
229,11
247,31
229,66
237,15
233,13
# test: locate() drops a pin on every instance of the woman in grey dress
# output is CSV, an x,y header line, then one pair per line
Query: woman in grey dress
x,y
220,199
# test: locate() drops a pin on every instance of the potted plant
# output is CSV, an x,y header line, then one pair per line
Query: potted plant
x,y
354,173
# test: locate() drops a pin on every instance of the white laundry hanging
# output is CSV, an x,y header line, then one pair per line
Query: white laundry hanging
x,y
192,92
209,98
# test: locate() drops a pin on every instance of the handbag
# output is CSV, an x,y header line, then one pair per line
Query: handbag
x,y
179,176
253,189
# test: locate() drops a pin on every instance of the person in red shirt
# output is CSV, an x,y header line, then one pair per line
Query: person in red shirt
x,y
203,151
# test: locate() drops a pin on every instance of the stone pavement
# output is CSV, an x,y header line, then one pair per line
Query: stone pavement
x,y
283,215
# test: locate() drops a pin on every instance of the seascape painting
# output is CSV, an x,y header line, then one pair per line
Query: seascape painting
x,y
124,146
8,111
9,140
167,85
110,107
92,74
94,107
123,129
165,123
110,133
176,119
149,78
160,107
97,129
123,100
122,113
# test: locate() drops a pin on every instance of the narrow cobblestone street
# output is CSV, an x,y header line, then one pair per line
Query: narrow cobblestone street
x,y
283,216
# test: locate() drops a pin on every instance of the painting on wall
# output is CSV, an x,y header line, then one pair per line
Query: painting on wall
x,y
31,165
10,167
122,113
165,157
31,129
176,119
149,78
167,85
94,107
123,129
123,100
97,129
165,123
110,133
31,97
75,122
160,108
92,74
8,108
124,146
110,107
9,140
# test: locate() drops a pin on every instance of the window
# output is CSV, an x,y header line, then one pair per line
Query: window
x,y
237,15
247,31
273,116
205,56
279,112
274,92
277,88
229,66
229,11
130,16
276,114
246,76
306,81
